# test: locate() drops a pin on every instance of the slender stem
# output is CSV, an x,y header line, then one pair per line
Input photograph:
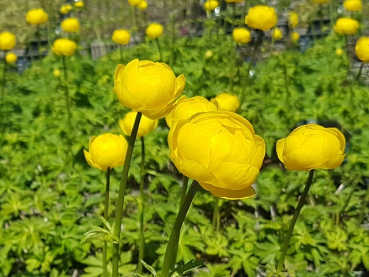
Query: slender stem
x,y
121,54
216,215
286,83
161,56
173,35
141,208
172,247
293,221
38,35
3,85
366,199
106,216
121,194
359,73
184,190
66,90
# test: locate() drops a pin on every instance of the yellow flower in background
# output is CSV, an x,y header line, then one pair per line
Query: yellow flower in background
x,y
295,37
346,26
227,102
319,1
293,19
339,52
56,73
261,17
241,35
79,4
143,5
277,34
220,151
154,30
134,2
208,54
106,150
211,5
65,9
64,47
148,87
11,57
146,124
186,107
353,5
362,49
234,1
36,16
121,36
7,41
312,146
70,25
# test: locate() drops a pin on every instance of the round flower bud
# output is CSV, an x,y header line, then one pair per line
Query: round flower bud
x,y
362,49
154,30
134,2
211,5
220,151
143,5
227,102
64,47
312,146
146,124
293,19
261,17
241,35
121,36
70,25
346,26
148,87
353,5
65,9
295,37
186,107
36,16
106,150
7,41
56,73
11,57
277,34
319,1
208,54
79,4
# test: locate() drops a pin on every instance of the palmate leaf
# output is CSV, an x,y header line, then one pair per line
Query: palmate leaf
x,y
184,269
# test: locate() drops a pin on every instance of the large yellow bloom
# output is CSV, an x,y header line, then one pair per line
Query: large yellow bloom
x,y
261,17
220,151
11,57
241,35
353,5
293,19
312,146
106,150
121,36
186,107
70,25
277,34
154,30
362,49
211,5
7,41
148,87
227,102
346,26
36,16
64,47
146,124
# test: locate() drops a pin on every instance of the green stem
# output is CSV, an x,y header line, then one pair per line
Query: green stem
x,y
286,79
184,190
3,85
161,56
106,216
66,90
172,247
293,222
141,208
38,36
216,215
359,73
121,54
173,36
366,199
121,194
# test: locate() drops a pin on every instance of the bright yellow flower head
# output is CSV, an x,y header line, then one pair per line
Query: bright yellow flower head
x,y
143,5
134,2
319,1
64,47
154,30
362,49
11,57
295,37
121,36
312,146
234,1
293,19
65,9
7,41
261,17
79,4
241,35
220,151
56,73
70,25
277,34
186,107
211,5
36,16
346,26
353,5
148,87
227,102
339,52
106,150
146,124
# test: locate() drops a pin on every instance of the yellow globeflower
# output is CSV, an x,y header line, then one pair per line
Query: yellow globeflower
x,y
339,52
362,49
295,37
154,30
241,35
36,16
148,87
353,5
234,1
146,124
64,47
134,2
79,4
277,34
220,151
319,1
121,36
106,150
7,41
227,102
56,73
186,107
65,9
70,25
261,17
293,19
11,57
143,5
312,146
211,5
346,26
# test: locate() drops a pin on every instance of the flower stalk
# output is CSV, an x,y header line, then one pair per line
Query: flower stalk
x,y
141,208
3,85
66,90
161,56
106,216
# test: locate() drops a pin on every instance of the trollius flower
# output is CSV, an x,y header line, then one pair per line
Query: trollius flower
x,y
146,124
